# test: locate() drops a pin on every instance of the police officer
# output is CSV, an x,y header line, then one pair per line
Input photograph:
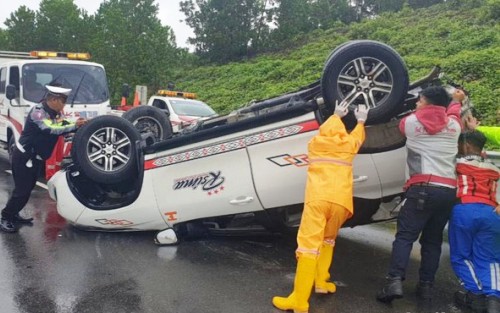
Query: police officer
x,y
43,126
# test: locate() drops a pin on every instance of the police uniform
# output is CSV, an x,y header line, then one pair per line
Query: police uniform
x,y
42,128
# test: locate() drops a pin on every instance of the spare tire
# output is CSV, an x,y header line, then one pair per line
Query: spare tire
x,y
365,72
105,149
149,119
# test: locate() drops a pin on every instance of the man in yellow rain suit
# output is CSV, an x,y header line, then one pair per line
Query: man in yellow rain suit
x,y
328,204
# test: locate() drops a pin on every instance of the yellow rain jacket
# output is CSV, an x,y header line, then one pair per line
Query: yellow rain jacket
x,y
331,152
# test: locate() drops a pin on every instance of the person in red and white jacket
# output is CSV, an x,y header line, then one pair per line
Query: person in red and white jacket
x,y
474,228
431,143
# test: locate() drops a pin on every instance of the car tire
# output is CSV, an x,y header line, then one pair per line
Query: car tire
x,y
97,154
365,72
149,119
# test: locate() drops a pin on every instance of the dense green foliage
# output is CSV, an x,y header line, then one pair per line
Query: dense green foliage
x,y
228,30
464,41
126,36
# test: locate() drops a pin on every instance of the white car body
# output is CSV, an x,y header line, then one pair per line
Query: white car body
x,y
251,162
249,171
182,111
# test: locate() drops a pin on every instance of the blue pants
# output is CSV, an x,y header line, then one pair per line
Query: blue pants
x,y
474,235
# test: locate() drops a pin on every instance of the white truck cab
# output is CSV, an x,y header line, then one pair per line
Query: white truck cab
x,y
182,107
23,77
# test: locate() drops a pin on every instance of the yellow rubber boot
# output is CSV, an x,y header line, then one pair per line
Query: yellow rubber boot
x,y
321,282
298,300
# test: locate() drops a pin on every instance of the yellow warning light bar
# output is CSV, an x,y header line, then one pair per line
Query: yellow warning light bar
x,y
171,93
61,55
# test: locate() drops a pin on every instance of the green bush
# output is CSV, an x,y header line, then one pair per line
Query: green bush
x,y
461,36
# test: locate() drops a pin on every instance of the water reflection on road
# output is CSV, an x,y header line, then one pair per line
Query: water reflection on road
x,y
53,267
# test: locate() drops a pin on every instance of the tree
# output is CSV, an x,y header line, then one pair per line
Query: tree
x,y
59,25
3,39
292,17
325,13
20,34
295,17
423,3
226,30
130,41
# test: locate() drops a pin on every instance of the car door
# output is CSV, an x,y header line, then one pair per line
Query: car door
x,y
210,179
391,166
279,167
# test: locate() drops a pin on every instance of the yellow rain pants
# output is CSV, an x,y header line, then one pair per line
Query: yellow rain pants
x,y
329,187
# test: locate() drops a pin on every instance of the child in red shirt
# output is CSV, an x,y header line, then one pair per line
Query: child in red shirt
x,y
474,227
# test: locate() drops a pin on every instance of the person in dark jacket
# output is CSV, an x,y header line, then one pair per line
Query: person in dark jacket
x,y
431,143
44,124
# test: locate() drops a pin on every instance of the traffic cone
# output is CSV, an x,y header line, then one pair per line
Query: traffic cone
x,y
136,99
124,102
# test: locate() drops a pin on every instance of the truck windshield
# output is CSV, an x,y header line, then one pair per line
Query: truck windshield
x,y
88,82
191,108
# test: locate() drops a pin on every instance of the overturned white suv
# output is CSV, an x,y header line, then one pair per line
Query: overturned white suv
x,y
252,162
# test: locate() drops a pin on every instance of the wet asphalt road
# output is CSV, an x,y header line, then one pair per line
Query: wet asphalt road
x,y
53,267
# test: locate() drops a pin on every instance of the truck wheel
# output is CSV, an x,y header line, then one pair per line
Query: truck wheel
x,y
105,149
149,119
365,72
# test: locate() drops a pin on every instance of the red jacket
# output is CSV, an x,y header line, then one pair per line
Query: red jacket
x,y
477,180
431,144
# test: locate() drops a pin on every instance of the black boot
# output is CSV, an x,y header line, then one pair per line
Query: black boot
x,y
424,290
23,220
7,226
393,289
493,304
476,303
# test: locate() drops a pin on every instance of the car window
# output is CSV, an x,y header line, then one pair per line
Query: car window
x,y
160,104
14,77
88,82
191,108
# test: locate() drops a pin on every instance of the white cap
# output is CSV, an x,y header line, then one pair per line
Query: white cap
x,y
58,90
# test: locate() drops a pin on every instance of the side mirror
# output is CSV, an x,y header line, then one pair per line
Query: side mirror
x,y
10,92
166,237
125,90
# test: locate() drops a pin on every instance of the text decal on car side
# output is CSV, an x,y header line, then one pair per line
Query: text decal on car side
x,y
211,183
237,144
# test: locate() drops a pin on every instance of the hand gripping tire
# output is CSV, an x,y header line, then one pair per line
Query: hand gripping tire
x,y
105,149
365,72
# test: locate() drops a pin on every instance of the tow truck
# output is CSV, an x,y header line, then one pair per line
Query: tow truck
x,y
23,76
182,108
